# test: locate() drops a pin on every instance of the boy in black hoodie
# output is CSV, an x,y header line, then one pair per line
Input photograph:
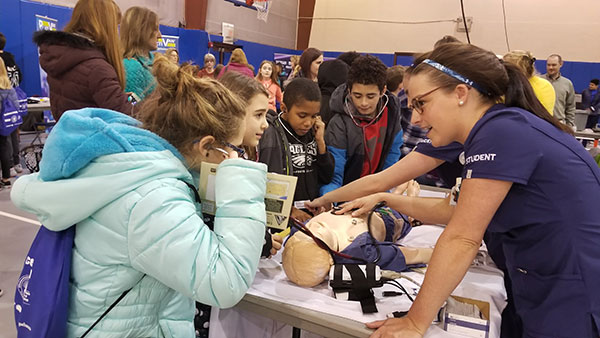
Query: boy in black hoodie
x,y
295,143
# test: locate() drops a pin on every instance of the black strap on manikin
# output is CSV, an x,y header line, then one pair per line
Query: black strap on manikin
x,y
360,287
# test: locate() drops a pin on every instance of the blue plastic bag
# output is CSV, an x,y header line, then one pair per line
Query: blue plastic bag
x,y
10,118
22,108
42,295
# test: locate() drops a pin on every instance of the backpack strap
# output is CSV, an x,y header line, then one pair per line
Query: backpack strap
x,y
197,197
111,307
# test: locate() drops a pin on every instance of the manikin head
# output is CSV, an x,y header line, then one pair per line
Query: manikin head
x,y
307,264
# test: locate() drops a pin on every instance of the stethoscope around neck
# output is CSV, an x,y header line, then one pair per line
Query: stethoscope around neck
x,y
364,127
387,99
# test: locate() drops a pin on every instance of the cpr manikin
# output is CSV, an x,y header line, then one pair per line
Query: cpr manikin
x,y
307,264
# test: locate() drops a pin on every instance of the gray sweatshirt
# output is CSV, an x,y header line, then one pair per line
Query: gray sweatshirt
x,y
564,107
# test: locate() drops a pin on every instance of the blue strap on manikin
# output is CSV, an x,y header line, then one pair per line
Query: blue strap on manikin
x,y
456,75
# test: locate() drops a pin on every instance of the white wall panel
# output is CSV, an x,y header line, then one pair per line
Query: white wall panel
x,y
279,30
541,26
170,12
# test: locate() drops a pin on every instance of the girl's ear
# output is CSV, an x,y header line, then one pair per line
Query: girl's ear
x,y
204,145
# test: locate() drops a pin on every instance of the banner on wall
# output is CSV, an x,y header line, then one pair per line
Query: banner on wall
x,y
44,23
168,42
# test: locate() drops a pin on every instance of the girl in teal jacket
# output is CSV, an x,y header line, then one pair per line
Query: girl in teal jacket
x,y
125,185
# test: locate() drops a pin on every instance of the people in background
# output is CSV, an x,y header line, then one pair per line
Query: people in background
x,y
364,135
12,69
268,78
173,55
543,90
412,134
139,36
332,74
590,101
564,106
146,233
348,57
238,63
309,63
281,74
294,143
13,72
209,67
509,192
7,94
295,69
446,39
84,62
218,69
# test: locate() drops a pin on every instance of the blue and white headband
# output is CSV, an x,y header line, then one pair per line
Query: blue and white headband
x,y
456,75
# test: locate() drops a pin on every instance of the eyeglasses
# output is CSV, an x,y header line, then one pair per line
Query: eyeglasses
x,y
417,102
238,150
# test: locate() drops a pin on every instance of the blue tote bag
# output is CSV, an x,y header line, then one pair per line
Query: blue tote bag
x,y
10,118
42,295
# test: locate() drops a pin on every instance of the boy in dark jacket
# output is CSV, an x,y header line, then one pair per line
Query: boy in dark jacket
x,y
365,134
294,144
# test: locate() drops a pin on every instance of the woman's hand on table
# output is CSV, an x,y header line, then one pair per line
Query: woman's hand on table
x,y
395,328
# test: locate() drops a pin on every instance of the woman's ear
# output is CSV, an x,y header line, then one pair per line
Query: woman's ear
x,y
462,93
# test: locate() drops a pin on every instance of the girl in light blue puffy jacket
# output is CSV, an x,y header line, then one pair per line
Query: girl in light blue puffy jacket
x,y
125,184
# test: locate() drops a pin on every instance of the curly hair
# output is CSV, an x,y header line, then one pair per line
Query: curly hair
x,y
367,70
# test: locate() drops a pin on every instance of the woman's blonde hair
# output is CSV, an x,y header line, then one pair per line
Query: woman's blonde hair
x,y
99,20
4,80
137,28
238,56
185,108
522,59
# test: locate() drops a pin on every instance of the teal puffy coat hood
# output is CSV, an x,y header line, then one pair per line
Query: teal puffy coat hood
x,y
138,225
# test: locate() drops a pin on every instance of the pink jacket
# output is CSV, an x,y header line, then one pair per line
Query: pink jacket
x,y
274,93
236,67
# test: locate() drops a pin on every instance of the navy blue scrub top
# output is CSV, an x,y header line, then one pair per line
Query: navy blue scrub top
x,y
451,168
549,223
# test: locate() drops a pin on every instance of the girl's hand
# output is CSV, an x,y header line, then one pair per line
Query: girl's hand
x,y
300,215
395,328
362,205
277,241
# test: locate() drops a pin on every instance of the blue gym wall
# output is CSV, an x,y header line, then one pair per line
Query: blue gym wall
x,y
17,22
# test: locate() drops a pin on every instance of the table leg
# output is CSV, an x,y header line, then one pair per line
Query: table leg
x,y
296,332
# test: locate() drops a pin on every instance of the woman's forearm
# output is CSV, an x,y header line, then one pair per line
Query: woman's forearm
x,y
412,165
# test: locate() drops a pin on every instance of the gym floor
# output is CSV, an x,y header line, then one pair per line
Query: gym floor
x,y
17,230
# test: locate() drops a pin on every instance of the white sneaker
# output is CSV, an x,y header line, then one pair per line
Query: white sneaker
x,y
18,168
13,172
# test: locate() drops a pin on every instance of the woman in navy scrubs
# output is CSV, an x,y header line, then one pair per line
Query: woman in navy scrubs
x,y
526,181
